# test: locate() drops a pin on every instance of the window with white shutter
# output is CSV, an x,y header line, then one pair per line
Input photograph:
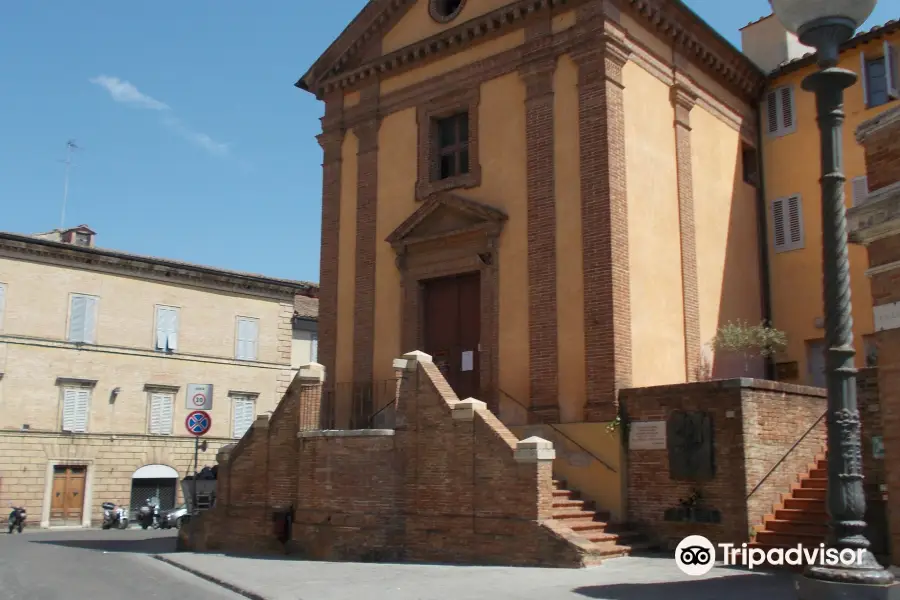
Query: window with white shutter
x,y
83,319
787,224
161,412
244,412
314,347
780,113
166,328
76,405
860,190
247,340
2,304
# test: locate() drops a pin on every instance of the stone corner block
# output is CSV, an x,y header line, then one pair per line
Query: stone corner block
x,y
534,449
465,410
224,453
312,371
261,422
410,360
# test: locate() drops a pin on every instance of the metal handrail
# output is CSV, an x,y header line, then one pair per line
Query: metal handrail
x,y
554,428
786,454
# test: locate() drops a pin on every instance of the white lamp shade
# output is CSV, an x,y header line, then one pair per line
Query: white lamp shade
x,y
794,14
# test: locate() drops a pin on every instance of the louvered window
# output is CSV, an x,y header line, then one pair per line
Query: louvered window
x,y
83,319
247,339
166,328
787,223
879,77
244,413
780,113
161,412
76,403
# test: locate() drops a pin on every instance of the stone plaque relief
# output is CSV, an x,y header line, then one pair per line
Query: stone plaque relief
x,y
647,435
887,316
690,446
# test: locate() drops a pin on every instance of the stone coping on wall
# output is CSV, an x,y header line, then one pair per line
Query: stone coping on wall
x,y
345,433
877,217
723,384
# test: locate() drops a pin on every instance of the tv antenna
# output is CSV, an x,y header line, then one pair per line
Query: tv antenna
x,y
71,147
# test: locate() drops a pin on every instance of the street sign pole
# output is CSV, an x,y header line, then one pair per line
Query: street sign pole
x,y
194,490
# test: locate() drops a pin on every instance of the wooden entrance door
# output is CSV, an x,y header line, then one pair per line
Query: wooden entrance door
x,y
67,500
452,330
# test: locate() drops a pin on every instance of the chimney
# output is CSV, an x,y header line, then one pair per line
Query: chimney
x,y
79,236
768,44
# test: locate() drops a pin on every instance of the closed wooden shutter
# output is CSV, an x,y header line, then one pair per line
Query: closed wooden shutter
x,y
247,339
860,189
778,223
90,320
772,111
787,223
166,328
161,406
2,303
244,413
76,407
787,108
795,222
76,318
864,77
890,70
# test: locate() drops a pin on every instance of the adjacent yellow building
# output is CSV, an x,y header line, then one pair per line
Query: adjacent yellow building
x,y
98,351
791,170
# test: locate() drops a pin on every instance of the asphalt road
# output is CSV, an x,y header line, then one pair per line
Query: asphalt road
x,y
96,565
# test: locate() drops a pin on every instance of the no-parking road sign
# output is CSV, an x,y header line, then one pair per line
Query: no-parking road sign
x,y
198,423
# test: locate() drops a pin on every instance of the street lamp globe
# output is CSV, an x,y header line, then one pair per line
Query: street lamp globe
x,y
797,15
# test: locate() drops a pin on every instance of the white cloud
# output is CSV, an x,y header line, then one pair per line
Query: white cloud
x,y
197,138
126,93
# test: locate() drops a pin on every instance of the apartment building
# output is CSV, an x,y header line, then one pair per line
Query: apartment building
x,y
98,349
790,186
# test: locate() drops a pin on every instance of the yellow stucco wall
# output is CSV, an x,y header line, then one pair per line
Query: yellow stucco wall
x,y
396,201
725,211
346,261
590,460
417,24
569,247
657,306
797,275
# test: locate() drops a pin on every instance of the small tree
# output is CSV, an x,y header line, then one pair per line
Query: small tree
x,y
749,341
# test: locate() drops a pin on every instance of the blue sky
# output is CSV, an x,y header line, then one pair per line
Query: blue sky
x,y
209,154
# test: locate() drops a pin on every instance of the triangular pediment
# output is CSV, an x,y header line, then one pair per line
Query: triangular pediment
x,y
444,215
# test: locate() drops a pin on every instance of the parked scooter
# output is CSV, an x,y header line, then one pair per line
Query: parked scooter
x,y
17,518
114,516
149,514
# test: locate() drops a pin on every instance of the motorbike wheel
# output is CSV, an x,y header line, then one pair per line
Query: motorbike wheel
x,y
105,526
123,524
21,526
11,527
144,526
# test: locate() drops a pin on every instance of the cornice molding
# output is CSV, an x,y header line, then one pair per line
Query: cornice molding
x,y
669,19
52,253
889,119
877,218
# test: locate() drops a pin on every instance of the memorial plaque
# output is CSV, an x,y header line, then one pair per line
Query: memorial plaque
x,y
690,443
647,435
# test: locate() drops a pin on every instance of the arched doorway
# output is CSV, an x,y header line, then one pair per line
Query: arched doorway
x,y
154,481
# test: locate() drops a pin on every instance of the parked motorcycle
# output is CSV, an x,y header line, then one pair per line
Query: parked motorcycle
x,y
114,516
17,518
149,514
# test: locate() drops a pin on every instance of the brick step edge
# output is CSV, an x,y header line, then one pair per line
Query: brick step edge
x,y
214,580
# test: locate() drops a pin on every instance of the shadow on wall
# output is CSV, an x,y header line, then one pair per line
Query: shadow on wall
x,y
741,291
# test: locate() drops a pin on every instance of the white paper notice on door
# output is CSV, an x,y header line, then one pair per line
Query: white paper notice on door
x,y
467,360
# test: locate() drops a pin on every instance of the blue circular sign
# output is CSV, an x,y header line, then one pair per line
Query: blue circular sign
x,y
198,422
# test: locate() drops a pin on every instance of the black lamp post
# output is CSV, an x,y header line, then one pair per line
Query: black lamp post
x,y
825,25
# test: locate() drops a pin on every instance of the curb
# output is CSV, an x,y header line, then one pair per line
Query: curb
x,y
224,584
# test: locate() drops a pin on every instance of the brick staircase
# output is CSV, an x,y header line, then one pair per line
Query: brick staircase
x,y
607,540
801,518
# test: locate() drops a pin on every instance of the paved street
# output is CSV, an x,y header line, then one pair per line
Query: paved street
x,y
96,565
116,565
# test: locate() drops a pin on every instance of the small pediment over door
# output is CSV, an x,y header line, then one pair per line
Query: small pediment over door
x,y
445,215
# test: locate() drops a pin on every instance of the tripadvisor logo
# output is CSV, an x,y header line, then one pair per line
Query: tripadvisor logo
x,y
696,556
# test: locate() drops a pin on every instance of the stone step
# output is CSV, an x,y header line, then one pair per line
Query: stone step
x,y
809,483
807,504
564,494
620,538
611,550
572,515
818,528
810,493
775,539
559,484
819,474
796,514
588,527
569,504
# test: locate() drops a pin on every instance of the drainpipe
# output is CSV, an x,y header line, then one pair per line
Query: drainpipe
x,y
763,234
